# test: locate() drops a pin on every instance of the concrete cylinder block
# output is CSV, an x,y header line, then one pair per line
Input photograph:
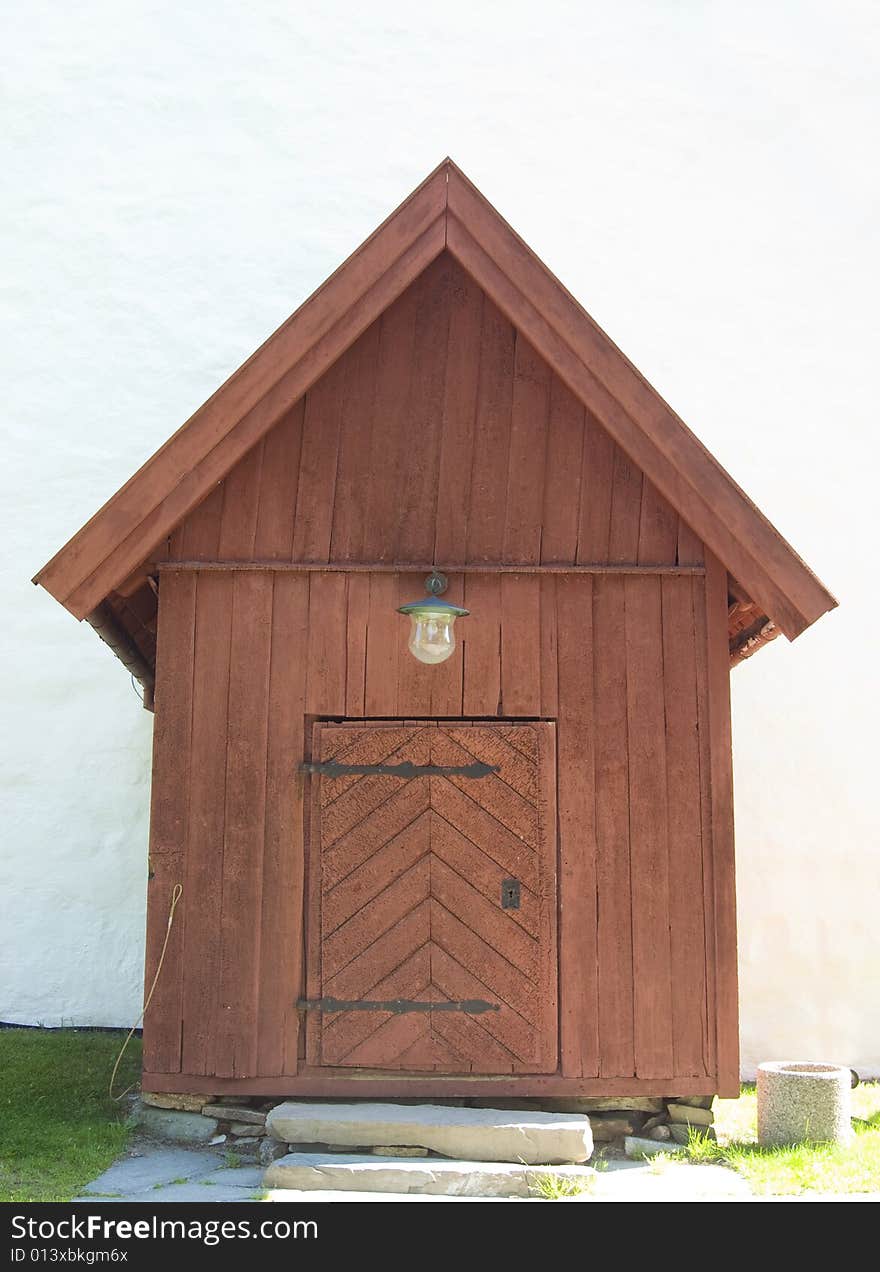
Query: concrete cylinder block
x,y
800,1102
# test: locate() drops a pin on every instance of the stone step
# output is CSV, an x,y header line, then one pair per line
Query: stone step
x,y
363,1173
481,1135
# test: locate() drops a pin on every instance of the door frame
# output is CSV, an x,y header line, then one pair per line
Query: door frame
x,y
548,814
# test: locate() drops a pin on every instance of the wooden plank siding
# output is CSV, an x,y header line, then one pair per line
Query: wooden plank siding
x,y
441,434
272,652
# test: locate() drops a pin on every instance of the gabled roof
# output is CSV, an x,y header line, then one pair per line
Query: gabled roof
x,y
445,212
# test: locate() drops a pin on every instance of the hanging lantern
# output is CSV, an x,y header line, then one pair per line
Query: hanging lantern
x,y
432,631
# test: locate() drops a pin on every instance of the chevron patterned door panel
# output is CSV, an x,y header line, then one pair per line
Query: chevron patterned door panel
x,y
432,898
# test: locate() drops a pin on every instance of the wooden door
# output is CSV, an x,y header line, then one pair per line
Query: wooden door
x,y
432,898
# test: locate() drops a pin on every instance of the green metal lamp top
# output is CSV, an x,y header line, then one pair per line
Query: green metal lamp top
x,y
435,584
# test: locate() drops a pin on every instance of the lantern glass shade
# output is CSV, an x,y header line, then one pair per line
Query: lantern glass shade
x,y
432,636
432,628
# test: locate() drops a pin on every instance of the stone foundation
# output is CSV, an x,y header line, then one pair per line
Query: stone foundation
x,y
239,1122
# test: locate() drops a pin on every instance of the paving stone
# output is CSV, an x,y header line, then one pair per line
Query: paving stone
x,y
234,1113
246,1128
184,1128
635,1146
690,1114
184,1103
237,1176
468,1134
191,1192
157,1166
270,1149
397,1150
695,1101
316,1171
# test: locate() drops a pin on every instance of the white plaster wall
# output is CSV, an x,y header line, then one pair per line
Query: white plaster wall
x,y
179,176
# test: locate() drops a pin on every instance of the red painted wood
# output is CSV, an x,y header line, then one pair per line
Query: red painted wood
x,y
648,828
236,1037
335,1083
577,831
686,920
614,885
281,921
375,884
203,885
168,819
723,858
526,455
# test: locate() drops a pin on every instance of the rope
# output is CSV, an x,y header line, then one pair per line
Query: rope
x,y
176,893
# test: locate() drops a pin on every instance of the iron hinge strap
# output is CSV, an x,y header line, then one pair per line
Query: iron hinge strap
x,y
470,1006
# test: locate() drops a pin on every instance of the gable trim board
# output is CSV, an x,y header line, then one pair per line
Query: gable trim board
x,y
446,212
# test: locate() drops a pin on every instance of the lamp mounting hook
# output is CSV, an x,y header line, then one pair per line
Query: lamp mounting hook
x,y
436,583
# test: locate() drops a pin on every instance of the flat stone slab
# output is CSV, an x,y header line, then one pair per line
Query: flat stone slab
x,y
485,1135
689,1114
154,1169
236,1177
185,1128
195,1191
233,1113
314,1172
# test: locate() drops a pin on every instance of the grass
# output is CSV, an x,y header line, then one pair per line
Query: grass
x,y
553,1187
58,1127
802,1168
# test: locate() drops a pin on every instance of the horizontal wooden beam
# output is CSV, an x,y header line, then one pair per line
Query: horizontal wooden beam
x,y
385,567
392,1085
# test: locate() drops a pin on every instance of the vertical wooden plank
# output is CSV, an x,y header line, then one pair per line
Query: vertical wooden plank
x,y
702,650
626,508
325,694
686,925
612,831
526,460
391,434
236,1038
241,504
690,547
311,1025
648,817
548,832
198,537
579,1036
520,643
549,648
168,818
387,633
723,861
207,803
356,639
597,469
459,410
562,478
360,371
481,646
658,529
317,467
283,847
279,479
488,482
417,495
